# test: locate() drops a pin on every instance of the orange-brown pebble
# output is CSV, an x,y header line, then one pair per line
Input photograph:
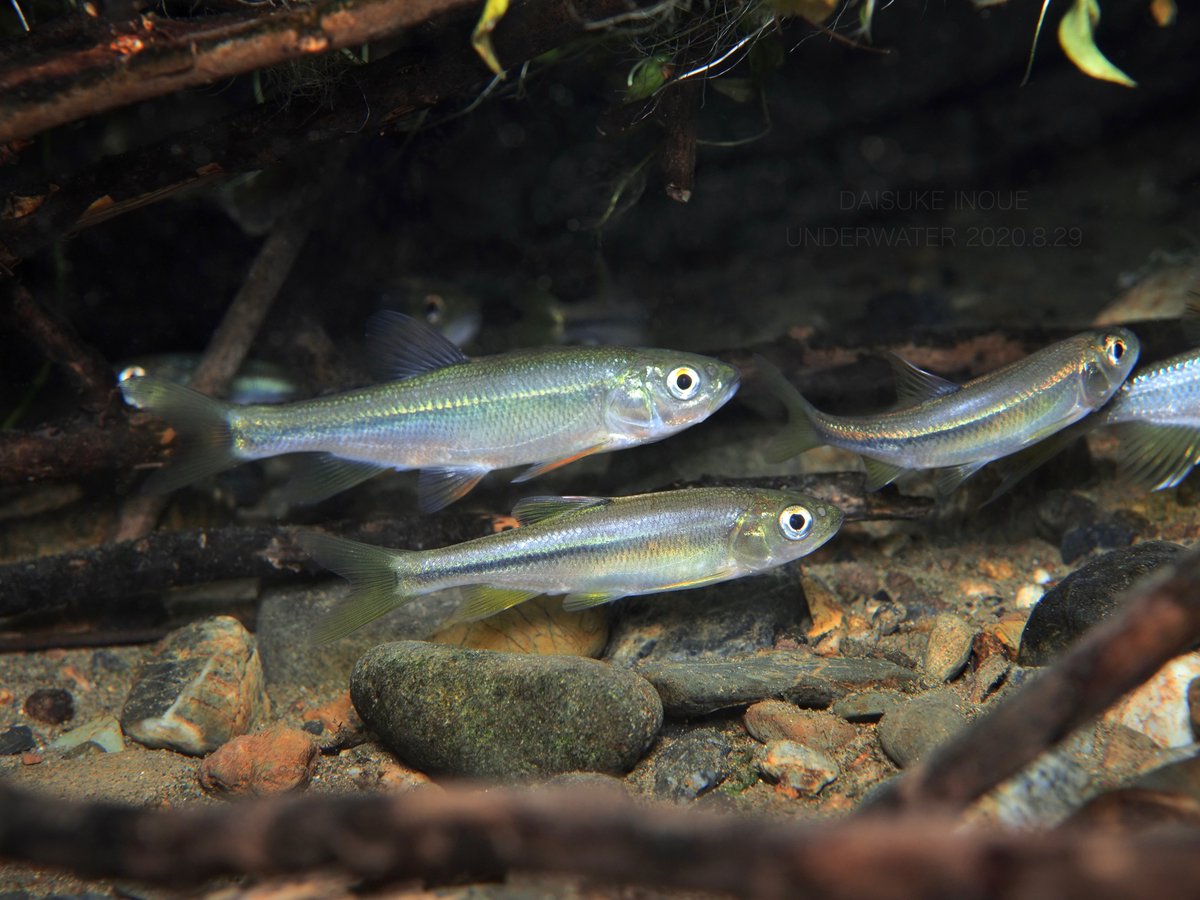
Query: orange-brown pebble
x,y
396,777
274,761
996,569
336,715
31,758
772,720
6,696
1009,630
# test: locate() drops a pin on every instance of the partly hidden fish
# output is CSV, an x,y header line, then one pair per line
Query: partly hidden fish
x,y
454,311
957,429
454,418
1155,416
256,381
592,549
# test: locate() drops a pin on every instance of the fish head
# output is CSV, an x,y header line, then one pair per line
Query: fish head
x,y
661,392
1108,356
780,526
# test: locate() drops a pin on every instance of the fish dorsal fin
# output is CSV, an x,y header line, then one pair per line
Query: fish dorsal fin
x,y
319,476
399,347
1158,456
576,602
438,487
947,480
914,385
483,600
539,509
880,474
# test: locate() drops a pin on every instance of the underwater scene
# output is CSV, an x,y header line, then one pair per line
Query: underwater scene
x,y
599,448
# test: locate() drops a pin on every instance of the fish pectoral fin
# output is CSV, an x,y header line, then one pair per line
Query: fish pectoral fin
x,y
319,476
914,385
947,480
399,347
439,487
1012,469
483,600
880,474
1158,456
576,602
543,468
539,509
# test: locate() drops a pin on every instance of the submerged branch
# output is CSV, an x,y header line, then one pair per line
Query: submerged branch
x,y
436,835
148,57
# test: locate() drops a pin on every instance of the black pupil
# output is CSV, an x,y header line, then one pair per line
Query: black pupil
x,y
797,522
1118,351
683,381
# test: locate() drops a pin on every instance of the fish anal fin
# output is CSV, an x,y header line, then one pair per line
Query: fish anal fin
x,y
439,487
948,479
539,509
1158,456
576,602
319,476
543,468
880,474
399,347
483,600
914,385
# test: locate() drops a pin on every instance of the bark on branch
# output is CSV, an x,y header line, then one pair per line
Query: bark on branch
x,y
436,836
147,57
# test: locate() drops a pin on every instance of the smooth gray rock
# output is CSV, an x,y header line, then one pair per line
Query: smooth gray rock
x,y
503,715
1088,595
909,731
706,685
734,618
692,764
949,647
288,618
200,686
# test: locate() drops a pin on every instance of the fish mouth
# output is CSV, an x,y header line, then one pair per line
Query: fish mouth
x,y
731,385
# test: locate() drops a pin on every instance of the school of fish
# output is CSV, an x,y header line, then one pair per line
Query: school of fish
x,y
456,419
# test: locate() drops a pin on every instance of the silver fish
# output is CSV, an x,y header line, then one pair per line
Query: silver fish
x,y
1156,417
592,549
959,429
257,381
455,419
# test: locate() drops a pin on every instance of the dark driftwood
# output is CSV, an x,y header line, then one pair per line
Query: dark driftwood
x,y
437,836
1116,657
78,447
122,63
103,579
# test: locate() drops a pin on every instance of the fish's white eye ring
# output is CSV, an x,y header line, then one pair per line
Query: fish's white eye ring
x,y
683,382
131,372
1114,348
796,522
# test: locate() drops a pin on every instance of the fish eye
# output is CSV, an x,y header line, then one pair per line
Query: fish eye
x,y
795,522
1114,348
683,382
434,305
131,372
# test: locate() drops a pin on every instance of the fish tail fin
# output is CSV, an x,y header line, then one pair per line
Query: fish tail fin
x,y
207,446
379,581
801,433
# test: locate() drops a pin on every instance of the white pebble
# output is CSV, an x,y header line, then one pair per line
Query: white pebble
x,y
1028,595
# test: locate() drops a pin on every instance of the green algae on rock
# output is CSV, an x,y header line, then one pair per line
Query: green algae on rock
x,y
489,714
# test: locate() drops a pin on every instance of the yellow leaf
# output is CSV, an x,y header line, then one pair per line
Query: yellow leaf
x,y
1075,36
1163,12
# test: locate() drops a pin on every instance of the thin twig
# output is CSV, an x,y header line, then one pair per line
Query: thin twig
x,y
57,340
1154,627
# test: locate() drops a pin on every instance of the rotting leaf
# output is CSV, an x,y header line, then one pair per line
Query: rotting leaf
x,y
1075,35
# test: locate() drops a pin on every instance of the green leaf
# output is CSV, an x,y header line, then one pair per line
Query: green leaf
x,y
1075,34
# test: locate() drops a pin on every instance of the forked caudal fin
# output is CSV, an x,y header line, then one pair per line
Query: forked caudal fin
x,y
206,447
374,574
801,434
